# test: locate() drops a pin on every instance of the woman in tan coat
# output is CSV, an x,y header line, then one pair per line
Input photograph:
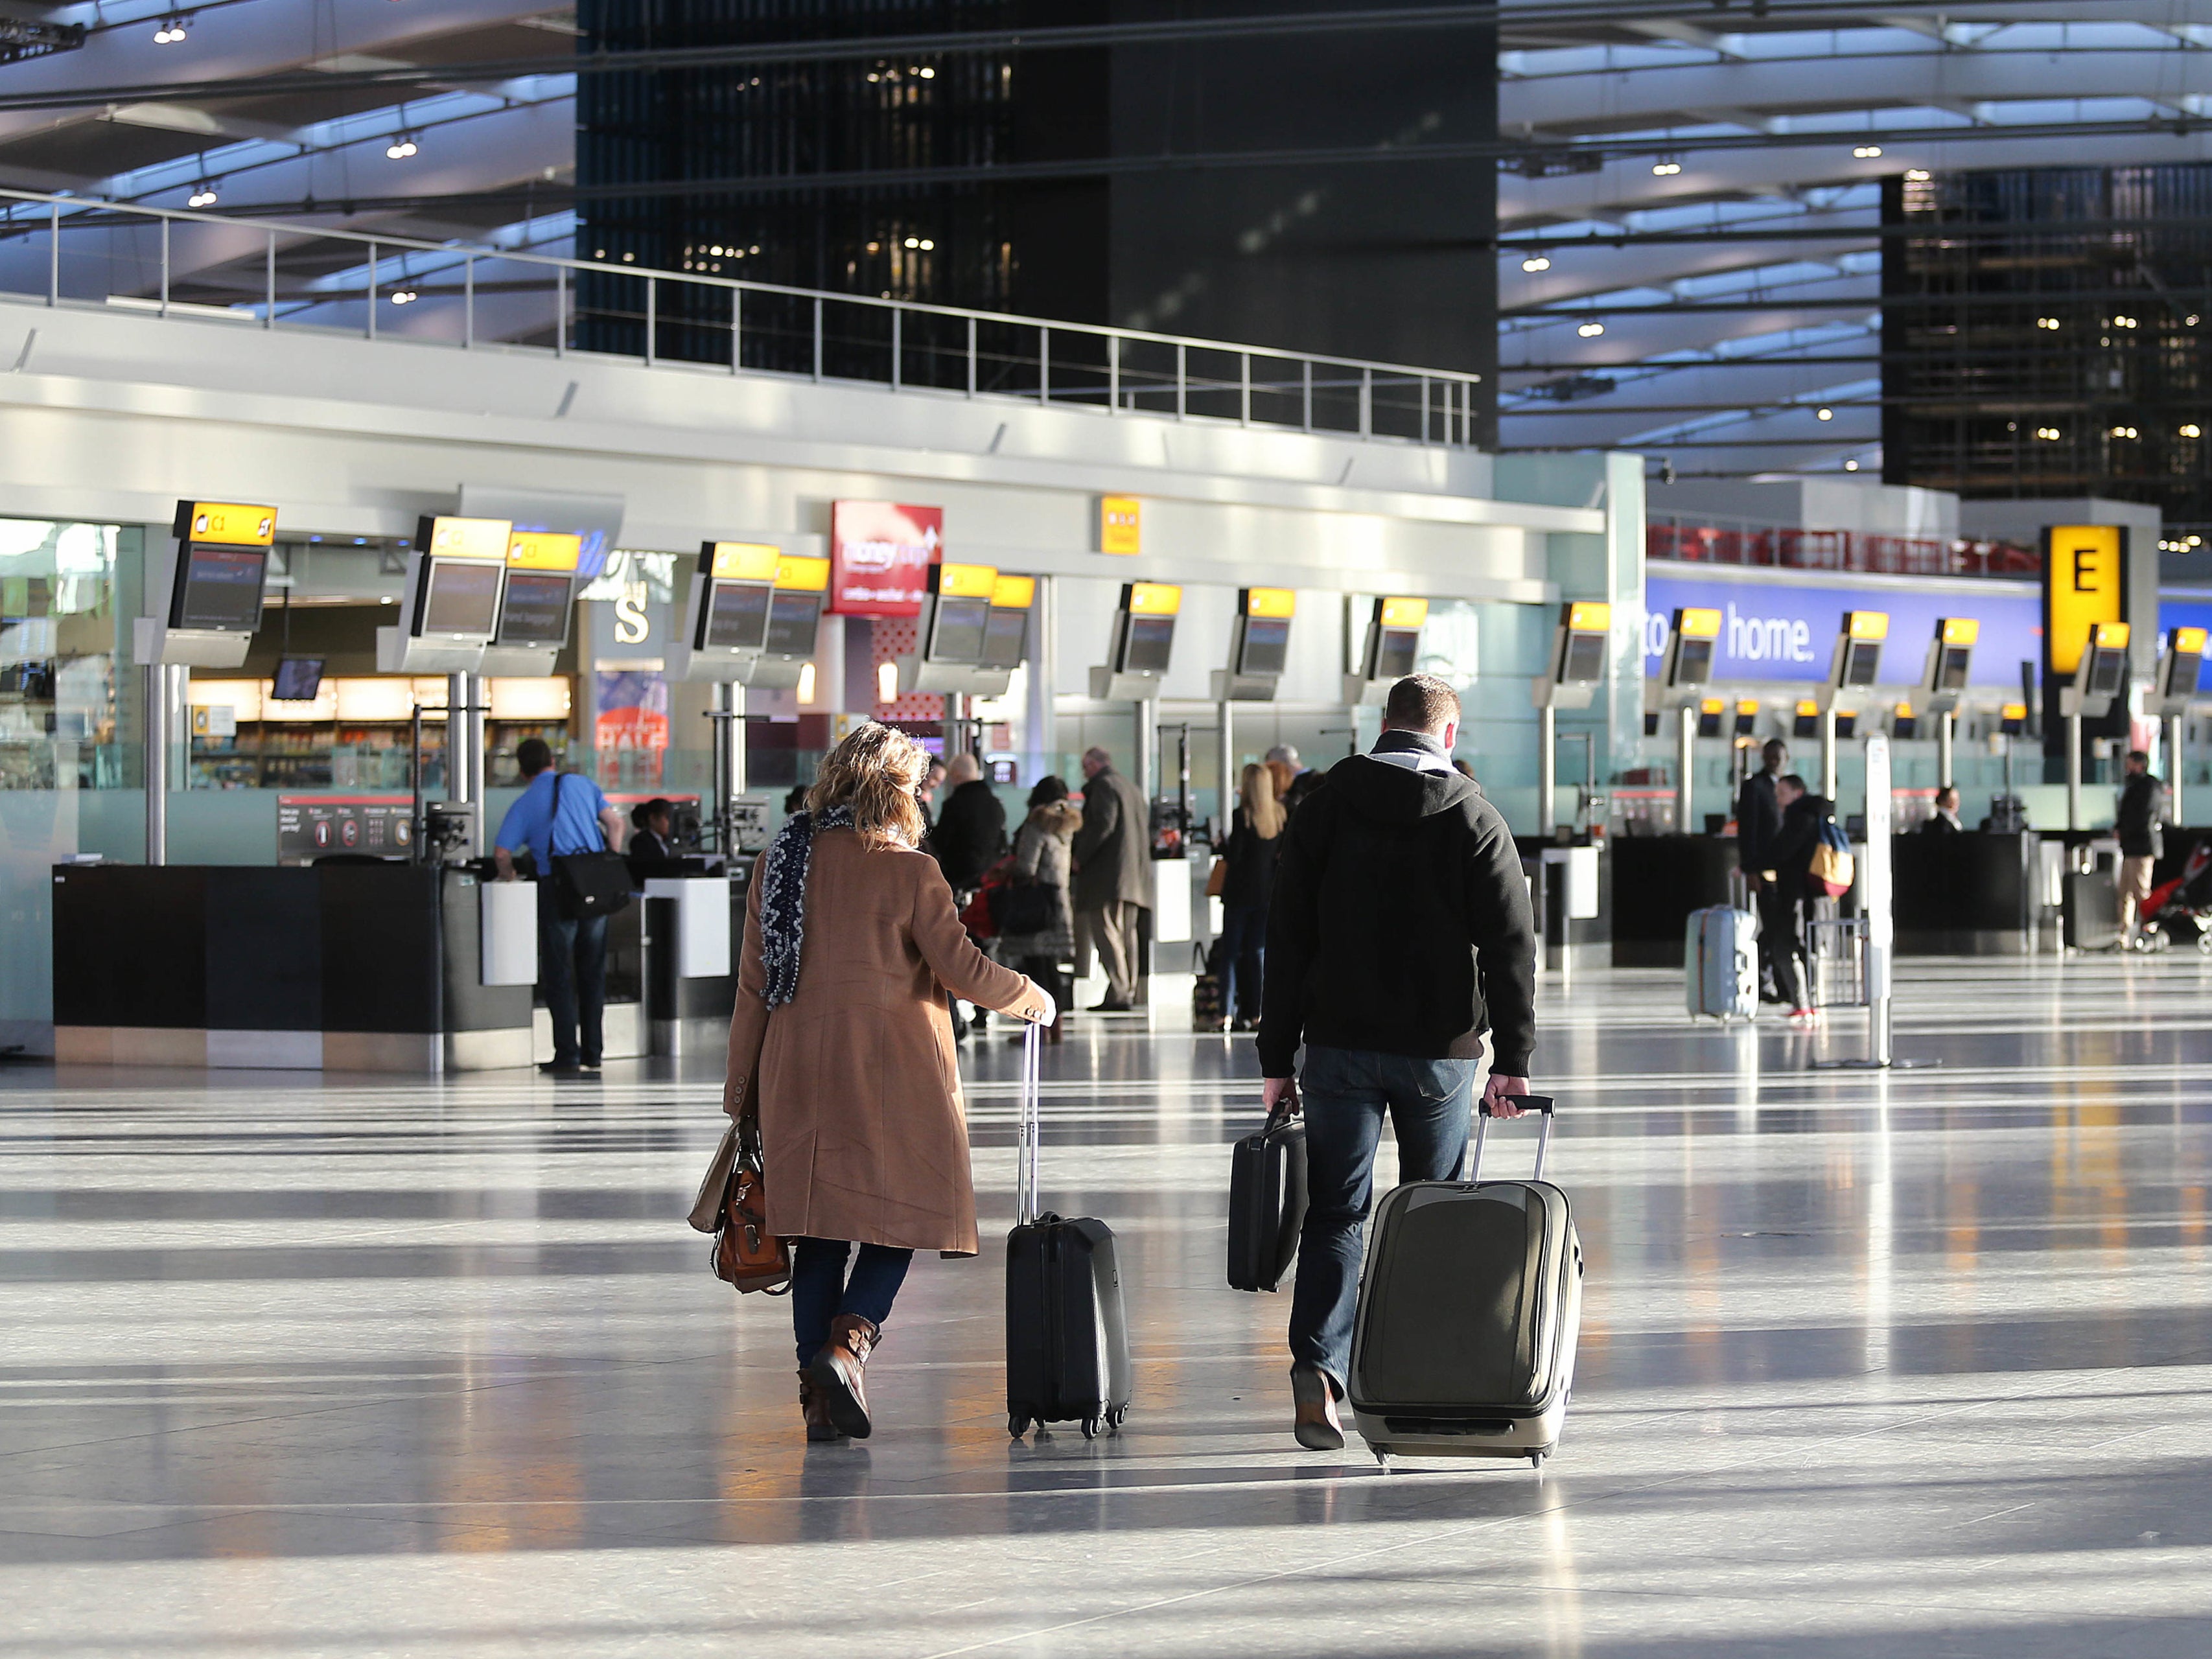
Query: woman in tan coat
x,y
842,1042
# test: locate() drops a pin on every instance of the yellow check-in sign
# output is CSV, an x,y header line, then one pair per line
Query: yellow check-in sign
x,y
2085,582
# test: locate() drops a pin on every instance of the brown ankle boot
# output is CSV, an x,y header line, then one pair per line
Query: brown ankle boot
x,y
815,1410
835,1373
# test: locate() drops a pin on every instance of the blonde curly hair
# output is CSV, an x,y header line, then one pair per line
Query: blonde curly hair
x,y
875,771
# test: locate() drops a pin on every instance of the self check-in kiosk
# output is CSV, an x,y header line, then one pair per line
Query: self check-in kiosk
x,y
535,603
1142,644
1580,646
1259,651
2099,677
1943,683
1393,649
449,610
967,644
2179,667
1854,667
1688,665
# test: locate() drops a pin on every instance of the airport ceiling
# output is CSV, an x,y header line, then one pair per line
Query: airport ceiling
x,y
1689,194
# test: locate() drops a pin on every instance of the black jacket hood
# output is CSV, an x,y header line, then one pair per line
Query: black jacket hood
x,y
1397,795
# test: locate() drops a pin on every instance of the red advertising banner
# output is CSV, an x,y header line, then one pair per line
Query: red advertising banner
x,y
879,556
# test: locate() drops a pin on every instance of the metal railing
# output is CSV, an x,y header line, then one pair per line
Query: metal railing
x,y
68,251
1700,540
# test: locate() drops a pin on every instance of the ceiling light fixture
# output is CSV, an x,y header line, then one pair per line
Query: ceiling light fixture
x,y
1535,261
2193,430
1867,152
203,195
404,296
1666,169
1590,331
1827,414
171,30
1851,467
401,148
1915,175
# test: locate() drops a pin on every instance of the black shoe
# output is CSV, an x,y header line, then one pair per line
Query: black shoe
x,y
589,1065
560,1068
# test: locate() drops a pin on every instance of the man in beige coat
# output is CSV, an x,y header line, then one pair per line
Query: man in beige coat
x,y
1113,875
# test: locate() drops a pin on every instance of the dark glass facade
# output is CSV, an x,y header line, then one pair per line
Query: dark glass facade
x,y
1349,257
2044,336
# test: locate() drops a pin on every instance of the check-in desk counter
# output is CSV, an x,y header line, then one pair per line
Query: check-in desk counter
x,y
694,927
1658,880
1571,889
339,967
1970,894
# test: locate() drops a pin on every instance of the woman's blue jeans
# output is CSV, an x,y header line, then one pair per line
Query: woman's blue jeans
x,y
820,1290
1244,945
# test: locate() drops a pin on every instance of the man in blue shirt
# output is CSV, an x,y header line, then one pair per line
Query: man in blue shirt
x,y
559,814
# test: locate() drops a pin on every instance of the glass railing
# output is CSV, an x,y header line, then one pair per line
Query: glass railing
x,y
67,251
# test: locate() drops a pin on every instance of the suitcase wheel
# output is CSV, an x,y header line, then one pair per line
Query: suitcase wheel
x,y
1017,1425
1091,1427
1115,1419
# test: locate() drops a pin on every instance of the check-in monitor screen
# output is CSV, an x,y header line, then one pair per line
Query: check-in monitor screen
x,y
298,680
1266,645
956,634
1395,652
793,621
1709,722
221,588
1693,661
1861,661
1951,672
1148,644
1585,658
1005,637
2107,672
535,611
462,597
736,617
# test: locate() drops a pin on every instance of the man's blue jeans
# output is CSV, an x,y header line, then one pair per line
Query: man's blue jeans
x,y
572,971
1345,1092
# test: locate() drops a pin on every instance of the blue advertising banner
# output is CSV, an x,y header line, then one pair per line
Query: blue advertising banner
x,y
1781,631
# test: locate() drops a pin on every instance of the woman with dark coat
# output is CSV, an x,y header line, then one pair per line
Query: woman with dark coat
x,y
1255,838
1041,858
842,1043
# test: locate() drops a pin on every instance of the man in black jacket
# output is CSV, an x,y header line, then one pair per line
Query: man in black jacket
x,y
970,833
1399,933
1758,822
2142,804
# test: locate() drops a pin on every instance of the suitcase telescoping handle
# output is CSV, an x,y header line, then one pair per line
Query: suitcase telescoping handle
x,y
1527,1103
1030,1125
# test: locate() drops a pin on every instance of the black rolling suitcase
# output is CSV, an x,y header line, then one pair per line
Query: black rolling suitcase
x,y
1268,1197
2090,918
1463,1345
1067,1339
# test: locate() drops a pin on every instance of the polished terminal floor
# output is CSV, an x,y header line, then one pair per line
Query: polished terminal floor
x,y
1914,1363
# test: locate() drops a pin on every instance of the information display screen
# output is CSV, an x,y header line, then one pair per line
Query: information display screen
x,y
1005,638
1394,653
1585,658
1861,661
221,587
1148,644
1266,645
955,636
535,611
1951,670
2107,673
298,680
736,617
1693,661
793,621
461,596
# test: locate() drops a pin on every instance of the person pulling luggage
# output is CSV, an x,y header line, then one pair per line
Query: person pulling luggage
x,y
1400,932
841,1044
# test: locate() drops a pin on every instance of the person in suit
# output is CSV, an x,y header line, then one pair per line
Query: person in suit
x,y
1945,821
1112,877
1758,822
652,824
1791,862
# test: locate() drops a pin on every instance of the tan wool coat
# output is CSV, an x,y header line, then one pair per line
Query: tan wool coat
x,y
863,1130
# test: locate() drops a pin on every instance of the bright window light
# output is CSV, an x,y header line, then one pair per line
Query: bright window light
x,y
806,682
887,682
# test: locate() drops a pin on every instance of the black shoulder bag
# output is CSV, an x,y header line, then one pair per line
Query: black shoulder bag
x,y
585,884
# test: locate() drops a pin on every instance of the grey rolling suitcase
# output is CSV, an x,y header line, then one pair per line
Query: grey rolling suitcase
x,y
1463,1345
1067,1337
1720,961
2090,920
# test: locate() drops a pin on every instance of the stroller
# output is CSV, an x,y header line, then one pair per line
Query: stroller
x,y
2179,912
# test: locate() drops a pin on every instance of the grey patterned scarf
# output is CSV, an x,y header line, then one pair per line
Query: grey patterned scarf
x,y
782,877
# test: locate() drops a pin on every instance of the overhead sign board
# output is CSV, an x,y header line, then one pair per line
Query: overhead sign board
x,y
543,550
1120,525
231,523
2085,582
879,556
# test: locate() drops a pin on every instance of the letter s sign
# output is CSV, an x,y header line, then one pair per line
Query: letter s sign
x,y
631,624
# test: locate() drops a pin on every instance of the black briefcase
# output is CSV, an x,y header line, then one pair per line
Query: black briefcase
x,y
1268,1197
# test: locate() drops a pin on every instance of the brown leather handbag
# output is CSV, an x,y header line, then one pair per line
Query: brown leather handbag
x,y
746,1253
